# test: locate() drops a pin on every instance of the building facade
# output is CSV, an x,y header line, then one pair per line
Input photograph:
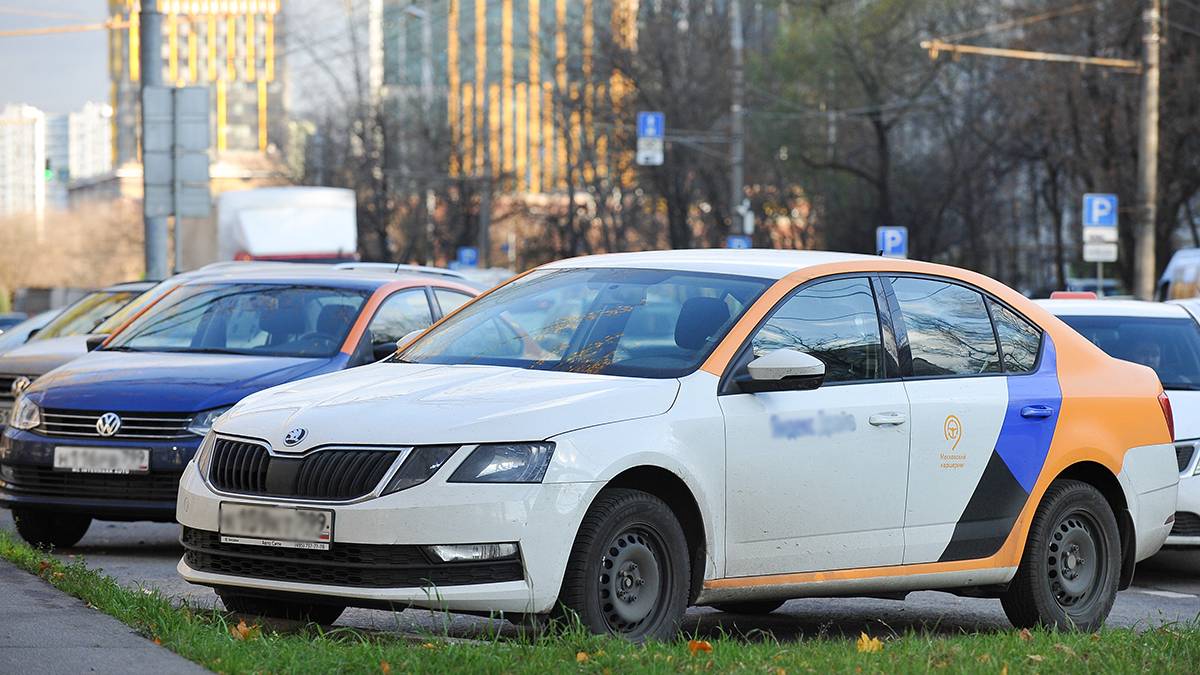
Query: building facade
x,y
78,147
227,45
22,162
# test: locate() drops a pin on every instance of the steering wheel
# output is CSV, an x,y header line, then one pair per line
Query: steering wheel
x,y
319,340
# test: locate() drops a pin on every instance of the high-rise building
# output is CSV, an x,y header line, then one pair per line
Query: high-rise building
x,y
228,45
78,147
500,74
22,161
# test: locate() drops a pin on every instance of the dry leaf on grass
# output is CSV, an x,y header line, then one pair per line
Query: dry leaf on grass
x,y
243,632
695,646
385,667
1025,634
581,657
869,644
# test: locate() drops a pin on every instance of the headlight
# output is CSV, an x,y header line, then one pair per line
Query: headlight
x,y
27,415
204,454
202,423
419,467
505,463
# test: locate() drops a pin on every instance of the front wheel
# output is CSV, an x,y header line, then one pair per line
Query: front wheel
x,y
47,529
1072,563
281,609
629,570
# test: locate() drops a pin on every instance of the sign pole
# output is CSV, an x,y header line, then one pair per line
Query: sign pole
x,y
154,226
1099,279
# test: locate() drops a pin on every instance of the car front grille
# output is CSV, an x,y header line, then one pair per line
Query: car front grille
x,y
6,382
45,481
1186,525
138,426
332,474
354,565
1184,453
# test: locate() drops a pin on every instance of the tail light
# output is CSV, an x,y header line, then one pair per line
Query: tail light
x,y
1167,414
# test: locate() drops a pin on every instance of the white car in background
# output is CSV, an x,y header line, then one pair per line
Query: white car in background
x,y
1165,337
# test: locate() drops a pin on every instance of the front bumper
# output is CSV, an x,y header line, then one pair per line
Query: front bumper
x,y
28,479
1186,531
542,519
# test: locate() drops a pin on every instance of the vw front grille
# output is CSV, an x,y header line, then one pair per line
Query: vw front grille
x,y
139,426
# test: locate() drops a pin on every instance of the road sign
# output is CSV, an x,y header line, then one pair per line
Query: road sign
x,y
1100,228
1099,210
739,241
468,256
1100,252
892,242
175,151
651,126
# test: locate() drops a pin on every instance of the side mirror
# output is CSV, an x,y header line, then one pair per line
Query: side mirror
x,y
782,370
32,333
384,350
94,341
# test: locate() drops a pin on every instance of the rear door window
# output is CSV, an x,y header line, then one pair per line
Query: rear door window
x,y
949,330
1020,340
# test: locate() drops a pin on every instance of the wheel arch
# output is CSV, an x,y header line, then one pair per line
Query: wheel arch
x,y
679,497
1100,477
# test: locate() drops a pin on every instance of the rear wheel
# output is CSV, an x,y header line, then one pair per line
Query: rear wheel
x,y
281,609
749,606
629,568
47,529
1072,563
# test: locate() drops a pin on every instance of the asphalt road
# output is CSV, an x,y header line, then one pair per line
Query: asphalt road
x,y
1166,590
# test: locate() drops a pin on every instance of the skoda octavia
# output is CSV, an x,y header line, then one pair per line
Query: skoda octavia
x,y
622,436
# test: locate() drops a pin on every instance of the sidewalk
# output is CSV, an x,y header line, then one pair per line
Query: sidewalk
x,y
43,630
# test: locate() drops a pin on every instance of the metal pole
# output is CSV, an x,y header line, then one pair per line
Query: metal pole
x,y
485,222
737,144
155,228
1144,264
1100,280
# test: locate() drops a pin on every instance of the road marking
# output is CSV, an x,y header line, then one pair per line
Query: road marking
x,y
1163,594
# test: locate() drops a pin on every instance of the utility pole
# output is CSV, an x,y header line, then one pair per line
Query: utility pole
x,y
154,227
1144,265
737,143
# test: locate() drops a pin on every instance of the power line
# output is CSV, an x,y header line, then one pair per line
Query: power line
x,y
1017,23
54,30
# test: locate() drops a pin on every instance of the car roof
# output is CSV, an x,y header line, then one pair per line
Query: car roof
x,y
1139,308
762,263
137,286
325,276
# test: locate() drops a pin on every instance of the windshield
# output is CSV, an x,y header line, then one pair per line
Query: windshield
x,y
118,319
1170,346
641,323
255,319
84,316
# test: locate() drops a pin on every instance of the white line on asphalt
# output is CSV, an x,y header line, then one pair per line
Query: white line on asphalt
x,y
1163,594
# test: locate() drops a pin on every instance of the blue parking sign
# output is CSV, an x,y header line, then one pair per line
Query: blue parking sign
x,y
468,256
651,124
892,242
1099,210
739,241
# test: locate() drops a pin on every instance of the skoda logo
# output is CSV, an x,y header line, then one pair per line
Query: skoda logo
x,y
295,436
108,424
19,386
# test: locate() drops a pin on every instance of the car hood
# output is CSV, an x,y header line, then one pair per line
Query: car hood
x,y
1185,407
416,404
168,382
41,356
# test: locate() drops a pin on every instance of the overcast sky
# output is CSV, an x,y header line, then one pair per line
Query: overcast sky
x,y
57,73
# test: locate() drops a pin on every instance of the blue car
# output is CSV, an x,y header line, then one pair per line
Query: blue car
x,y
108,435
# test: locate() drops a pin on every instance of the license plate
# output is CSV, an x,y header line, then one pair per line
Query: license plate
x,y
101,460
276,526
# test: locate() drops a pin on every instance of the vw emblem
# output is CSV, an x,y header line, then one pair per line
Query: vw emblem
x,y
19,385
295,436
108,424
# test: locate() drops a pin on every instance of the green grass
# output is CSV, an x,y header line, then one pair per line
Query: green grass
x,y
207,637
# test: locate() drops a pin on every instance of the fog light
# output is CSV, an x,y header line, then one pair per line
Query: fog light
x,y
472,552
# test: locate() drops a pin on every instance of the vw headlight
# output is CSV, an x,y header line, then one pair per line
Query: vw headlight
x,y
419,466
26,416
505,463
202,423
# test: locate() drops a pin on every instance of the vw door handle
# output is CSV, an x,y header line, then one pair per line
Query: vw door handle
x,y
887,419
1037,411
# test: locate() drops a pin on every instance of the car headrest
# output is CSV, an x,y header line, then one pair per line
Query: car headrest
x,y
335,319
282,323
699,319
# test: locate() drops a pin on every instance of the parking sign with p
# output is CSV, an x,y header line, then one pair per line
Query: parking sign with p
x,y
892,242
1099,210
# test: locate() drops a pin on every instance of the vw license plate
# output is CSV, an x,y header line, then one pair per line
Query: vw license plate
x,y
277,526
101,460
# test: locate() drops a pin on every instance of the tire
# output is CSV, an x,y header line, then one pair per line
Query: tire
x,y
629,570
281,609
1069,573
47,529
750,607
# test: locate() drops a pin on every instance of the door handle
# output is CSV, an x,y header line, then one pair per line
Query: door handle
x,y
887,419
1037,411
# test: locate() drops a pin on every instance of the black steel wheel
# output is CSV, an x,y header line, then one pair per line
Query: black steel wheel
x,y
629,568
48,529
1072,563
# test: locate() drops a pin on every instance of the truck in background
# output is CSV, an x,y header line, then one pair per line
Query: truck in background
x,y
298,224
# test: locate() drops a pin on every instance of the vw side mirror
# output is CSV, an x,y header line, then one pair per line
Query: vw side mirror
x,y
93,342
782,370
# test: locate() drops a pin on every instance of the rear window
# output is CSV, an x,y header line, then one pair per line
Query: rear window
x,y
1170,346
